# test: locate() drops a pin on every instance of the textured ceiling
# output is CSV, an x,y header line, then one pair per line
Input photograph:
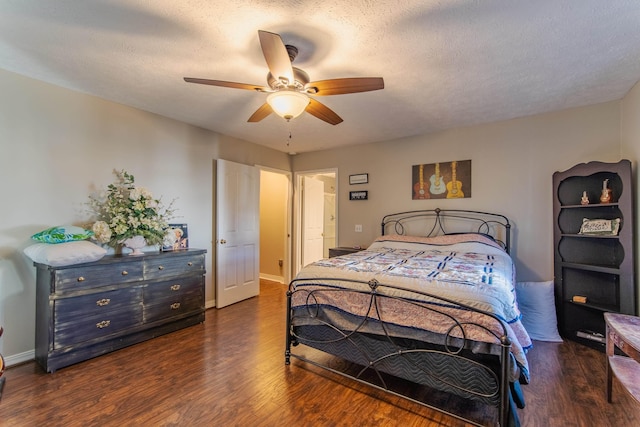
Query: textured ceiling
x,y
445,64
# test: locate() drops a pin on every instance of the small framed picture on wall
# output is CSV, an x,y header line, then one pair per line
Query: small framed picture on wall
x,y
358,195
360,178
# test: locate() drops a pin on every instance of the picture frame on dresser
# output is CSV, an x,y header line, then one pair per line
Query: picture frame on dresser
x,y
181,232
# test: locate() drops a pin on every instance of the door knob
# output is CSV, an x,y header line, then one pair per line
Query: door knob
x,y
222,241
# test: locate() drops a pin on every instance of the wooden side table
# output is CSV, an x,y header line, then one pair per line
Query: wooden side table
x,y
342,250
623,332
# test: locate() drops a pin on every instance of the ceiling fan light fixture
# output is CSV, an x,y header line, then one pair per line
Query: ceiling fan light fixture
x,y
288,104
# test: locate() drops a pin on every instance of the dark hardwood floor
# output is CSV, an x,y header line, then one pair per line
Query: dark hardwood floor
x,y
229,371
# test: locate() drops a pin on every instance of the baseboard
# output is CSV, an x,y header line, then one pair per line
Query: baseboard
x,y
16,359
272,278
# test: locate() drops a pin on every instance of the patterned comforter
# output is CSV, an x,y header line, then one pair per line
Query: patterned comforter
x,y
470,269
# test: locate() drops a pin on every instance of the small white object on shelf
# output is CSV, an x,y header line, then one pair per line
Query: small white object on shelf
x,y
585,198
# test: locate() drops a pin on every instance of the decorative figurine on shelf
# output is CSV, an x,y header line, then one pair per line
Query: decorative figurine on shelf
x,y
605,197
585,198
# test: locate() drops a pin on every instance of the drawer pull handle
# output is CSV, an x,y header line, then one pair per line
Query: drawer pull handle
x,y
175,287
190,264
80,279
125,272
161,267
102,302
175,306
103,324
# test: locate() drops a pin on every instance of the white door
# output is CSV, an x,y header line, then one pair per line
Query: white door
x,y
313,220
237,233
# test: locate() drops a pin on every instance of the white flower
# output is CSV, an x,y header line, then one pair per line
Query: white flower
x,y
138,193
101,231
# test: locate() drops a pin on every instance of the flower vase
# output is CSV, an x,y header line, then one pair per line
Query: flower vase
x,y
135,243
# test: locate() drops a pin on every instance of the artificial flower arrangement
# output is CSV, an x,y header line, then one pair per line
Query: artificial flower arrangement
x,y
126,211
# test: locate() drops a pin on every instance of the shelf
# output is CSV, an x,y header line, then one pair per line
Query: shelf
x,y
626,370
591,252
591,267
590,236
596,307
591,205
590,343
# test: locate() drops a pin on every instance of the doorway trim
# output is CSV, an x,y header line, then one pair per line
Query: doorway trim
x,y
297,200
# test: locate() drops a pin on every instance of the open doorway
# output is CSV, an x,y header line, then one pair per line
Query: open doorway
x,y
316,215
275,225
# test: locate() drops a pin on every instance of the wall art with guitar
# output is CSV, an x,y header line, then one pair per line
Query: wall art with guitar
x,y
443,180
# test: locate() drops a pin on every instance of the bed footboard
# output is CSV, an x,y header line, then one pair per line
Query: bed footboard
x,y
377,342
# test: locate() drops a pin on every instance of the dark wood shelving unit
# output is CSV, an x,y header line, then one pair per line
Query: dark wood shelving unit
x,y
598,267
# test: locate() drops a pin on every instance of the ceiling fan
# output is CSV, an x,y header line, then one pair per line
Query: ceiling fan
x,y
289,87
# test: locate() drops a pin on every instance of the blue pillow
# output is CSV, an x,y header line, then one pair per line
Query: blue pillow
x,y
538,307
62,233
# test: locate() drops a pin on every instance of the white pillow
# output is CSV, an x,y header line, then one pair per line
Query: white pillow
x,y
538,308
68,253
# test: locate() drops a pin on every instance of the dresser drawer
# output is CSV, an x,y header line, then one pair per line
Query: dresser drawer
x,y
173,288
170,307
173,297
88,328
97,275
174,266
99,303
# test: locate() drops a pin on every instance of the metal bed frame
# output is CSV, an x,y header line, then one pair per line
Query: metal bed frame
x,y
446,362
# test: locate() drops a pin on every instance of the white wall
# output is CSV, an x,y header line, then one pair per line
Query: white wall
x,y
56,146
512,166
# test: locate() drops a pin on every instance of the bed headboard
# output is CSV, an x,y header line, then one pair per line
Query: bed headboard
x,y
449,221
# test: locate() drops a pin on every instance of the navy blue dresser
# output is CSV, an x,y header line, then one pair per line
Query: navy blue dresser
x,y
86,310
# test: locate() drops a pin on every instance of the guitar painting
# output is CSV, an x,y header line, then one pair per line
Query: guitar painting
x,y
420,188
443,180
454,187
437,183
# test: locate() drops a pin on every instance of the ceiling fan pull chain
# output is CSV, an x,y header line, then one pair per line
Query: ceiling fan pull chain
x,y
290,134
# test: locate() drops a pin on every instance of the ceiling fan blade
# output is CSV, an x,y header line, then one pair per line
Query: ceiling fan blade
x,y
342,86
261,113
227,84
323,112
275,53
